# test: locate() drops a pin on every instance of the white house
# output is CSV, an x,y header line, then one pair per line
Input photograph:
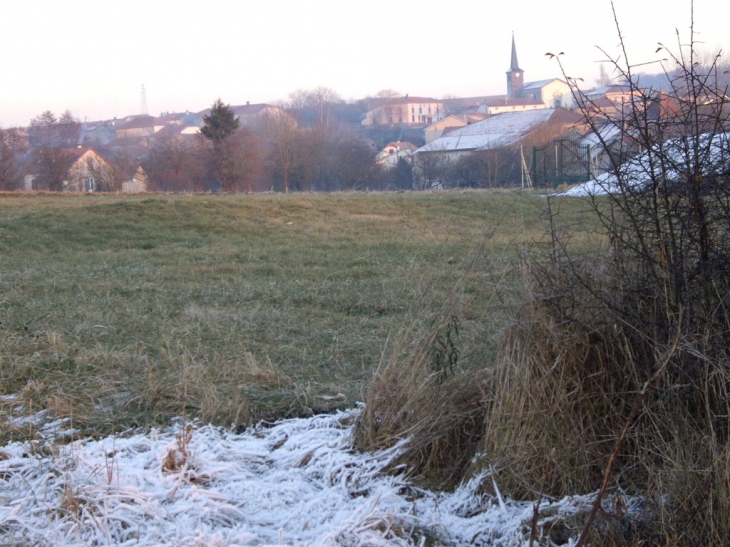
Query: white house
x,y
84,170
500,106
404,111
455,121
389,156
554,92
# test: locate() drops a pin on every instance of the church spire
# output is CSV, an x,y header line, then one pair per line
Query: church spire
x,y
514,74
514,65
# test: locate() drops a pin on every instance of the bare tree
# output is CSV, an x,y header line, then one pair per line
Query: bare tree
x,y
43,131
52,165
483,169
390,110
103,174
321,101
283,133
430,170
48,131
297,102
354,166
175,163
12,146
69,130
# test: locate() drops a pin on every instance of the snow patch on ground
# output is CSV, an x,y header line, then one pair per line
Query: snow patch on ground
x,y
297,482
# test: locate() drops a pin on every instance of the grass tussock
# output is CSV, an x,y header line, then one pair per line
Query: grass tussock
x,y
430,390
565,386
440,413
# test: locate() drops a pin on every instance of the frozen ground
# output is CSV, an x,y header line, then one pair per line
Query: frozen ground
x,y
296,482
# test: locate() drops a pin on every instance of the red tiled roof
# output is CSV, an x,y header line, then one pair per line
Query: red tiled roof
x,y
377,102
401,145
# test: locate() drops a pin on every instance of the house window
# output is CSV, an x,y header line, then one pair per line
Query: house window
x,y
413,110
90,184
429,109
420,110
413,119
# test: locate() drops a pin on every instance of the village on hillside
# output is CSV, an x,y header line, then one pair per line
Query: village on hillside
x,y
535,134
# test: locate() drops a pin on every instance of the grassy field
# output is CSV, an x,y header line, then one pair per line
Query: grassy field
x,y
120,312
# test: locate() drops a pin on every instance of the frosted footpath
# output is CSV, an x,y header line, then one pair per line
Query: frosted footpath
x,y
295,482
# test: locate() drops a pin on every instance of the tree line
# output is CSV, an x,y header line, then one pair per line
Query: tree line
x,y
312,144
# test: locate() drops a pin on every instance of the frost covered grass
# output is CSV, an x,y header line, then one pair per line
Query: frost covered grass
x,y
295,482
127,311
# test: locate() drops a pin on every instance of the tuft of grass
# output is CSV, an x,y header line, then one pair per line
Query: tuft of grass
x,y
424,395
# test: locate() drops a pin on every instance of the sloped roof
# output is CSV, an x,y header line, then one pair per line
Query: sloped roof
x,y
449,119
499,131
241,109
140,122
471,117
539,83
75,154
640,171
409,100
613,88
377,102
172,130
602,102
529,101
401,145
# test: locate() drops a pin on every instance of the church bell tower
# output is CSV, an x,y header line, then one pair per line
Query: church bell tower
x,y
514,74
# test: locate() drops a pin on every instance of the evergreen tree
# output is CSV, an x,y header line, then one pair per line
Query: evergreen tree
x,y
232,152
220,124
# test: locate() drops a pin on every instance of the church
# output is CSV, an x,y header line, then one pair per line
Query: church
x,y
552,93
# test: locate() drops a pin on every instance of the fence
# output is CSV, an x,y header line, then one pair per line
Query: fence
x,y
561,161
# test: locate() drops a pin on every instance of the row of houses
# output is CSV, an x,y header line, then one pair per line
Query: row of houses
x,y
119,133
453,128
529,114
81,160
532,115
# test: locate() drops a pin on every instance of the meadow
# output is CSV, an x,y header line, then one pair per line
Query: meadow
x,y
125,312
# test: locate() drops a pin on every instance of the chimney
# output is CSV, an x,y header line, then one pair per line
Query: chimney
x,y
247,103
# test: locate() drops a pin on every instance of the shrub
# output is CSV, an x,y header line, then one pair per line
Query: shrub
x,y
617,365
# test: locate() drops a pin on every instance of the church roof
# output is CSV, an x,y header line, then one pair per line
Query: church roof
x,y
539,83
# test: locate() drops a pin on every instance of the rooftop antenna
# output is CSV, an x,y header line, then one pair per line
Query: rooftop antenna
x,y
144,101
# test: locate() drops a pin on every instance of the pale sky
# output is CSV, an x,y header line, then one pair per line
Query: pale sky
x,y
93,56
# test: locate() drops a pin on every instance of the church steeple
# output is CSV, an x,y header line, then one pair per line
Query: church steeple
x,y
514,74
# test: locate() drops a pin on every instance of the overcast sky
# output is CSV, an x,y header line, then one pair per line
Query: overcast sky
x,y
93,56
